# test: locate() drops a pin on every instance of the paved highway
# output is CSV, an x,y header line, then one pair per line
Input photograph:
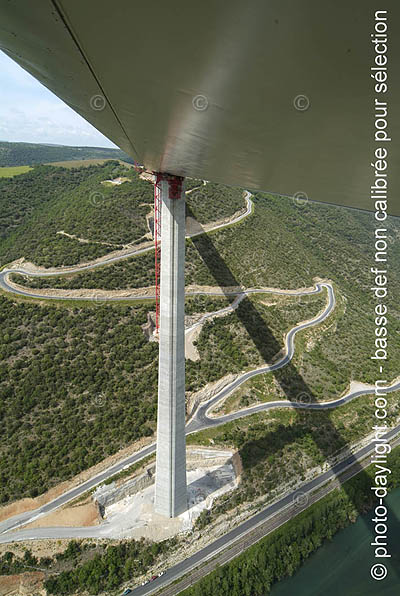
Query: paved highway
x,y
200,420
194,424
300,495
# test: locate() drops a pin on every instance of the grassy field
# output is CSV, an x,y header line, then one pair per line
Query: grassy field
x,y
10,172
78,163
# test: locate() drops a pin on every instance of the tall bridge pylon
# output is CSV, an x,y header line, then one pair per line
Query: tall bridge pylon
x,y
170,487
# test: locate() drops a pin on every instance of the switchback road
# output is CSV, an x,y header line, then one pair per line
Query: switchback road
x,y
199,421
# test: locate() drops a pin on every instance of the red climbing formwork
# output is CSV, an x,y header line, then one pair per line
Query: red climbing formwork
x,y
157,243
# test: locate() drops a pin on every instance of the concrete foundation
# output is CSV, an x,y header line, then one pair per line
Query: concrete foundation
x,y
170,489
130,513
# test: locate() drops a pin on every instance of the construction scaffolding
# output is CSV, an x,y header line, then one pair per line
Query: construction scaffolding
x,y
157,243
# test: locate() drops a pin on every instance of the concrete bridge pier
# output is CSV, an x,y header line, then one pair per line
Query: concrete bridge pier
x,y
170,486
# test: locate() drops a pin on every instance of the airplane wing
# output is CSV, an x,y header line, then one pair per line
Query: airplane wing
x,y
275,95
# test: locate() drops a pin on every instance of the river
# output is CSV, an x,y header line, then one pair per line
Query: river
x,y
341,567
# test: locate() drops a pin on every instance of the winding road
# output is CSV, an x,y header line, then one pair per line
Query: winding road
x,y
201,419
31,293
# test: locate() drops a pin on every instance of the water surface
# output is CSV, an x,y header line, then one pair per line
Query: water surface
x,y
341,567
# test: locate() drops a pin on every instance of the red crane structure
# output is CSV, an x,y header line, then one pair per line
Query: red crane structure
x,y
157,243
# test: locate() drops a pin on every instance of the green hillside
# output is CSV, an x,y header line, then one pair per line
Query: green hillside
x,y
25,154
279,245
78,382
55,216
78,379
303,242
48,200
209,203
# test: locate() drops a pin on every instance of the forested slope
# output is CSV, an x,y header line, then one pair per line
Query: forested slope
x,y
21,154
79,382
56,216
49,200
286,245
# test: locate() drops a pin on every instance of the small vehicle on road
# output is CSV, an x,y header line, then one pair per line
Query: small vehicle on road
x,y
153,578
127,591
